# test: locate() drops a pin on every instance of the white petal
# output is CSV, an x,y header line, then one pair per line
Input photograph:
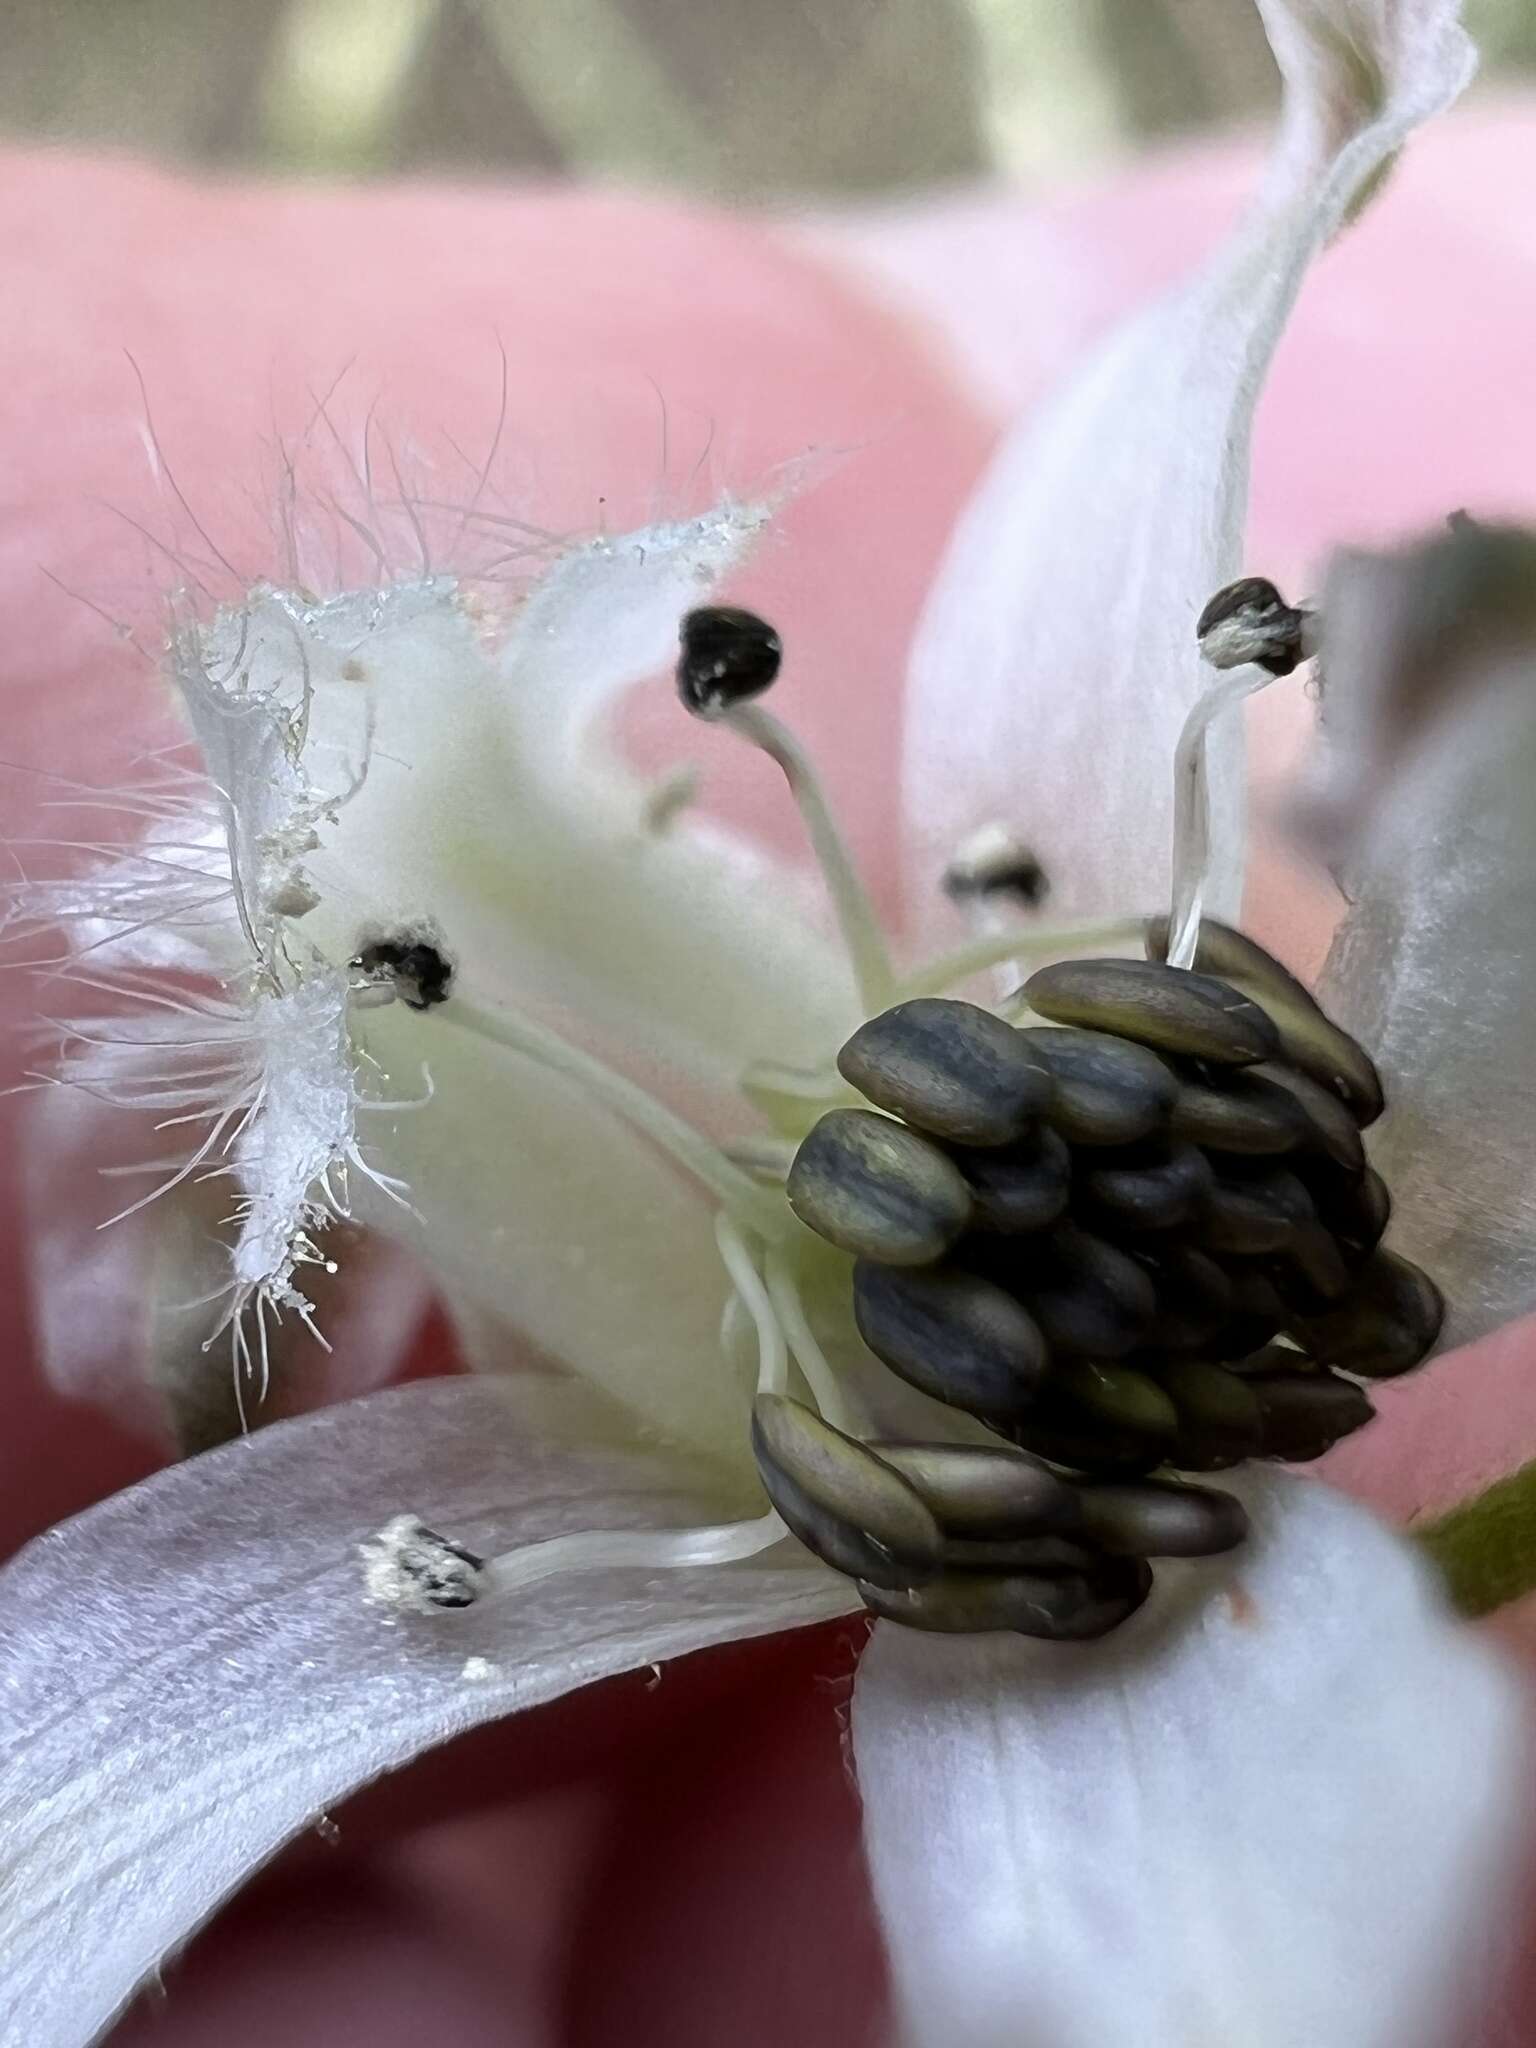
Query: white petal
x,y
492,811
1280,1806
381,769
1056,660
1431,681
684,945
191,1676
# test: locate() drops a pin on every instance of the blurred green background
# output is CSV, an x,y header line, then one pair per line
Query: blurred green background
x,y
767,100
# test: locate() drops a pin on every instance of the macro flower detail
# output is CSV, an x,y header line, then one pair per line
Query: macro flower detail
x,y
762,1216
1127,1225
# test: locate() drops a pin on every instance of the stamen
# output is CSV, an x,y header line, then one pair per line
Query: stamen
x,y
692,1151
632,1550
949,970
808,1354
790,1096
863,937
993,863
409,1567
1193,853
991,877
772,1350
767,1159
1252,635
1249,621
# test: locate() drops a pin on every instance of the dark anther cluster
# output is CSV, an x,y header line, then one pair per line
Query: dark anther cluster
x,y
1138,1238
417,970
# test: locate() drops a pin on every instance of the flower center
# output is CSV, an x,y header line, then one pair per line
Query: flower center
x,y
1117,1228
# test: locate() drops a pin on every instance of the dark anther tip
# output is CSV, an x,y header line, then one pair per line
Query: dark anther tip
x,y
418,971
997,866
728,655
1250,621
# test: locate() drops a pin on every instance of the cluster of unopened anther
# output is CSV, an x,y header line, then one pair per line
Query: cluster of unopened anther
x,y
1136,1231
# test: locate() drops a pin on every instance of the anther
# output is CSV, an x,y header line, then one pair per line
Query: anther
x,y
410,1567
1151,1189
992,863
1154,1518
1090,1299
983,1490
1068,1607
1108,1092
728,655
1387,1323
1308,1037
409,965
1240,1113
1327,1125
950,1068
1172,1180
1219,1419
842,1501
1118,1396
1195,1298
1355,1207
1018,1188
1166,1008
870,1186
1249,621
1306,1414
953,1335
1260,1212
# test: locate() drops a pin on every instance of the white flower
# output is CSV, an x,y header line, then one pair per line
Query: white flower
x,y
1272,1807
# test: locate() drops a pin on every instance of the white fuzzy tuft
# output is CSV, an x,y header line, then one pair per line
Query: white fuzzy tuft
x,y
221,1013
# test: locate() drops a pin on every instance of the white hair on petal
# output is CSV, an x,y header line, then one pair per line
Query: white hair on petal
x,y
207,1004
206,917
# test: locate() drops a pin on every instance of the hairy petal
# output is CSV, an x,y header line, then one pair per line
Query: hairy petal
x,y
1277,1806
382,771
456,775
124,1313
1063,620
192,1676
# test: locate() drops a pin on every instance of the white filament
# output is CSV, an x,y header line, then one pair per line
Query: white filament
x,y
704,1161
1036,944
1194,855
829,1397
868,954
772,1350
630,1549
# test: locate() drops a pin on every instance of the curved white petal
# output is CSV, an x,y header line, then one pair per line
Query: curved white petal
x,y
480,801
1431,680
684,946
395,765
191,1676
1056,660
1279,1806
